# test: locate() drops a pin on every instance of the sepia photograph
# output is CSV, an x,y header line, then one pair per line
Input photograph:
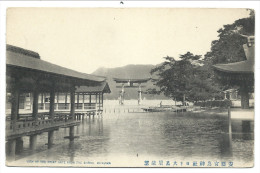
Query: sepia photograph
x,y
130,87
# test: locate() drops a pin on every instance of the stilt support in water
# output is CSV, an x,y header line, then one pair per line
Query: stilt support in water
x,y
33,141
50,138
71,136
10,149
19,145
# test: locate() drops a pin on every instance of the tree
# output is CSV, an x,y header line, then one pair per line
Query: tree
x,y
184,79
229,48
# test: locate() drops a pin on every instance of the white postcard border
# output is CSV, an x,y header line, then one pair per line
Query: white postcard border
x,y
127,4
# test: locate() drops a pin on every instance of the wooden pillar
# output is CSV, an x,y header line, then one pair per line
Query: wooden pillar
x,y
139,94
19,145
52,99
244,95
72,103
66,98
50,138
96,104
15,105
33,140
89,99
184,100
77,100
44,104
99,101
41,100
121,97
102,101
71,137
35,104
83,101
57,107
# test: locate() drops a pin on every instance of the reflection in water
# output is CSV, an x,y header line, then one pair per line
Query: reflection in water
x,y
225,145
77,130
243,130
83,124
89,125
100,126
71,151
246,126
160,135
65,131
246,129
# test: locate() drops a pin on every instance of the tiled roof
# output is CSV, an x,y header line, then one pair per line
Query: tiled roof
x,y
237,67
246,66
103,87
18,57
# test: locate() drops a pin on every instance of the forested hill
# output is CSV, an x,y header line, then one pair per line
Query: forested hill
x,y
129,71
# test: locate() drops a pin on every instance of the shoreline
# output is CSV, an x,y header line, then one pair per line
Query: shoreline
x,y
236,113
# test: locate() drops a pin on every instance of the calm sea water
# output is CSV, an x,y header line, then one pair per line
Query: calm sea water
x,y
145,136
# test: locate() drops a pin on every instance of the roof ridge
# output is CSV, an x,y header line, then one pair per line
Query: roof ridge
x,y
22,51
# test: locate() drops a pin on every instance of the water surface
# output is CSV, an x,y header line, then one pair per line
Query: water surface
x,y
148,136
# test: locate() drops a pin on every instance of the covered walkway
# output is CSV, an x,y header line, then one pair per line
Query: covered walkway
x,y
27,73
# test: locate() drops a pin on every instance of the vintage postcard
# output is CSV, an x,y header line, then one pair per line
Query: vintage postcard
x,y
130,87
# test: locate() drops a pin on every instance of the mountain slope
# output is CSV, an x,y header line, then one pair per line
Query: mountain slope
x,y
128,72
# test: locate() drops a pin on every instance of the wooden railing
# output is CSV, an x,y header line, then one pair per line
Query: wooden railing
x,y
25,123
66,106
89,106
28,125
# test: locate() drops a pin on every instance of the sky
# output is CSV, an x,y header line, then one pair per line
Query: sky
x,y
85,39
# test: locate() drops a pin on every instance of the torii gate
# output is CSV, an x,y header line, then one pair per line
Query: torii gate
x,y
129,83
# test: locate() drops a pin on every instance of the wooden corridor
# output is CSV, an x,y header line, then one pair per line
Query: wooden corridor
x,y
27,73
